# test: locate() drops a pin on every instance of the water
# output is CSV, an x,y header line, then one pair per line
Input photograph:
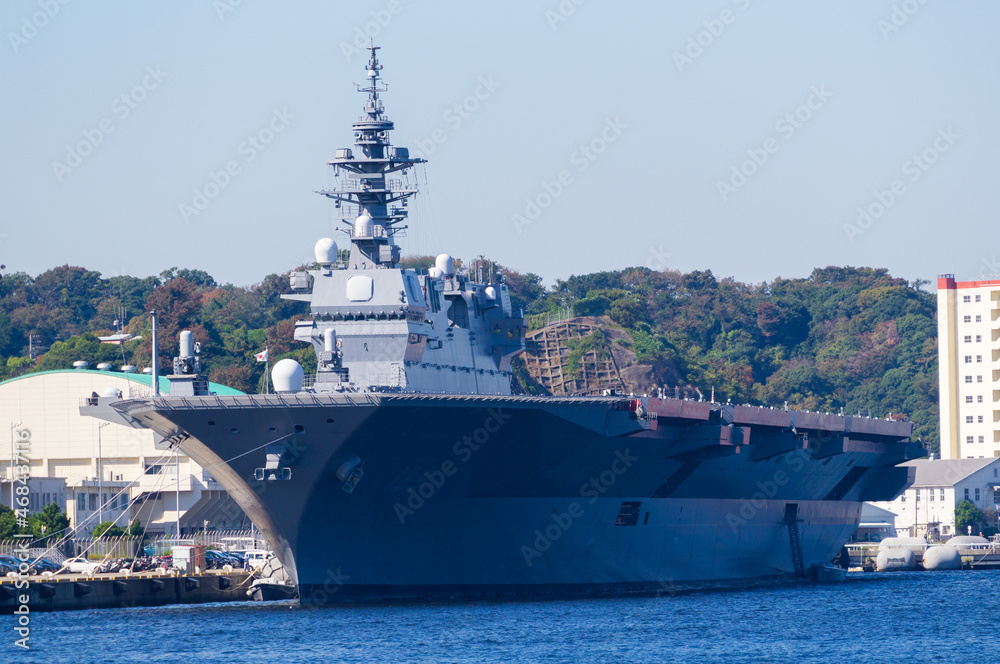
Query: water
x,y
895,617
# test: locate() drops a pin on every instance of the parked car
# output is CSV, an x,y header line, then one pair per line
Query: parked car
x,y
15,564
43,565
79,566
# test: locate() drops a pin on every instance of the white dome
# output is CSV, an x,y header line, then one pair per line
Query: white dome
x,y
81,364
104,366
325,251
128,368
286,375
446,264
434,273
491,293
364,226
111,392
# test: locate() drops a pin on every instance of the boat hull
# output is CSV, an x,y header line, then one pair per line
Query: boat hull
x,y
434,498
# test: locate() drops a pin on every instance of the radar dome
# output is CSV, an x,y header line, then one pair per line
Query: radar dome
x,y
111,392
491,293
446,264
326,251
364,226
434,273
287,376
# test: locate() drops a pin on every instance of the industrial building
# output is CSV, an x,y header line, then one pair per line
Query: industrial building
x,y
928,506
106,470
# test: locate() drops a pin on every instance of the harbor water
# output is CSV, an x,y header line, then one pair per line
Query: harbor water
x,y
891,617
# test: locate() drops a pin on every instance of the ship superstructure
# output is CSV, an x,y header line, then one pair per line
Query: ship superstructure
x,y
376,327
405,469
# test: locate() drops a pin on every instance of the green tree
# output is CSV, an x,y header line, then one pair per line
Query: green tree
x,y
967,514
50,523
108,529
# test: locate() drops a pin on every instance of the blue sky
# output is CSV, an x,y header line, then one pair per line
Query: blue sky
x,y
737,136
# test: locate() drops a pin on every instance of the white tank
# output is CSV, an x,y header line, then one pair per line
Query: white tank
x,y
942,557
325,251
187,343
895,560
286,375
81,364
446,264
328,335
364,226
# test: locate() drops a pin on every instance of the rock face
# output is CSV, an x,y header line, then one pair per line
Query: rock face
x,y
587,355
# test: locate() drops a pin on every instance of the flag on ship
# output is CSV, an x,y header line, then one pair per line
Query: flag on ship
x,y
262,357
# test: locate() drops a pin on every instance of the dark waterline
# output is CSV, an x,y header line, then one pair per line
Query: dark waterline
x,y
901,617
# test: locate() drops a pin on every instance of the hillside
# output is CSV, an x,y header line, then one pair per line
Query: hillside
x,y
851,339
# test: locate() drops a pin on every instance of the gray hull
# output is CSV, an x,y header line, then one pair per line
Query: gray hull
x,y
494,496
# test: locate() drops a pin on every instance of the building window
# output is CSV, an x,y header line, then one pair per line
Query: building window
x,y
979,298
968,379
967,339
979,379
930,495
977,494
966,494
968,359
968,399
918,495
979,338
979,419
81,502
966,319
979,358
966,298
902,498
979,399
93,501
942,494
968,440
968,419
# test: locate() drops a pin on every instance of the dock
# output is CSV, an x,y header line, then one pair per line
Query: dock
x,y
68,592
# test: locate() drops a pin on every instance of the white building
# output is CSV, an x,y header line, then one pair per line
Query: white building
x,y
876,524
940,485
969,367
110,470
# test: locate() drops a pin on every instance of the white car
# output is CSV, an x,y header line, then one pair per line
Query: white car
x,y
79,566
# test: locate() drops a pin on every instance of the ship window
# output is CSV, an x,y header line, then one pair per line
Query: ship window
x,y
299,428
271,429
211,423
646,520
233,430
628,514
329,420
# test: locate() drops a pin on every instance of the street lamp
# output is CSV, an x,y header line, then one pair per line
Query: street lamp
x,y
100,474
13,425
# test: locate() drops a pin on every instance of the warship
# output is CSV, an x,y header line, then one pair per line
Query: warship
x,y
405,468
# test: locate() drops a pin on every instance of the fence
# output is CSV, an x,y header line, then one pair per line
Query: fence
x,y
128,547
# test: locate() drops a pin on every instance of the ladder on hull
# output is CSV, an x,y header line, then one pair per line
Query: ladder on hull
x,y
792,522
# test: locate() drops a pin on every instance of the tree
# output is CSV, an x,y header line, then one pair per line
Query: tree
x,y
967,514
48,524
109,529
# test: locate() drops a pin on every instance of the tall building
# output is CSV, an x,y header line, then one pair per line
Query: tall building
x,y
969,367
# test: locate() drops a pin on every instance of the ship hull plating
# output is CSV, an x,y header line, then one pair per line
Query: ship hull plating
x,y
401,498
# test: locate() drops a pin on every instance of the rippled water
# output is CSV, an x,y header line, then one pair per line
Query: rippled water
x,y
901,617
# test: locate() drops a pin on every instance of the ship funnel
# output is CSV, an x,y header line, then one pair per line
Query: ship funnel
x,y
187,343
328,335
325,251
287,376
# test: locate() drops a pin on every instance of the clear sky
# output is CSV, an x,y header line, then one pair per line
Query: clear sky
x,y
563,138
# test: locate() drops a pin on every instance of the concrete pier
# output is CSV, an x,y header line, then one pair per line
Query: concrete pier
x,y
67,592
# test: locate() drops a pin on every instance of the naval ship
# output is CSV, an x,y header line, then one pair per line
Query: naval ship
x,y
405,468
